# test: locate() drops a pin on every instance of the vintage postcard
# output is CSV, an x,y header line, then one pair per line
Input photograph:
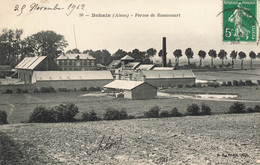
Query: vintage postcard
x,y
129,82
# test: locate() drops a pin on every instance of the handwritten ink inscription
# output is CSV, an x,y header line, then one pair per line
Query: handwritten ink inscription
x,y
68,10
106,143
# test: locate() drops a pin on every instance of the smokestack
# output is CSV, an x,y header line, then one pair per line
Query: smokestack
x,y
164,52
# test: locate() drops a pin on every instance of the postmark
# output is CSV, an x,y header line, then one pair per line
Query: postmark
x,y
240,23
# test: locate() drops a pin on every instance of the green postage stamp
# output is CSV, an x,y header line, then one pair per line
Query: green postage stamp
x,y
240,21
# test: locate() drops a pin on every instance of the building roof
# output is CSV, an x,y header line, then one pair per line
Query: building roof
x,y
71,75
125,84
168,74
132,65
146,66
30,62
127,58
115,63
75,56
163,68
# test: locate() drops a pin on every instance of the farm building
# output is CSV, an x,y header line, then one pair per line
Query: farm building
x,y
71,79
145,67
166,78
77,62
28,65
135,90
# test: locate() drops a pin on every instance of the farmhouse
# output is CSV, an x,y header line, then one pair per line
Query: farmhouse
x,y
28,65
71,79
77,62
136,90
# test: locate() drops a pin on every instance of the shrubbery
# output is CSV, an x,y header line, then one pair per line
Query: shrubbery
x,y
42,114
47,90
90,116
193,109
62,113
63,90
113,114
237,107
153,112
8,91
3,117
66,112
205,110
175,113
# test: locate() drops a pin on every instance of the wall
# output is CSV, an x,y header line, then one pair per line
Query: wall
x,y
170,82
144,91
71,84
128,94
25,75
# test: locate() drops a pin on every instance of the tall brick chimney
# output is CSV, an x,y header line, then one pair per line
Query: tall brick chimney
x,y
164,52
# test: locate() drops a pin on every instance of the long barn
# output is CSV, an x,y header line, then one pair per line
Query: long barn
x,y
71,79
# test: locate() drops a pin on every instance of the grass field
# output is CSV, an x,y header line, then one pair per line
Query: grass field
x,y
216,139
19,106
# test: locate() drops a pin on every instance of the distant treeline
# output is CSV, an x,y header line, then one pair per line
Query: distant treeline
x,y
48,43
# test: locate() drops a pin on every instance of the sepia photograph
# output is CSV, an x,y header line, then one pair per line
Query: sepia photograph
x,y
130,82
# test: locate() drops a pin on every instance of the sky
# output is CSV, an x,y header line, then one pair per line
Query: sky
x,y
197,25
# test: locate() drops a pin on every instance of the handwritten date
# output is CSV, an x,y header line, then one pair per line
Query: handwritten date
x,y
57,7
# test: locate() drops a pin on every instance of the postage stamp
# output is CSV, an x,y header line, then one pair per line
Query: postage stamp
x,y
240,21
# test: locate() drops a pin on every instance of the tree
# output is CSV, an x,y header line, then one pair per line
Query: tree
x,y
202,55
102,56
151,52
73,51
47,43
222,55
189,53
137,55
160,53
10,46
119,54
213,54
233,56
177,54
258,55
242,55
252,55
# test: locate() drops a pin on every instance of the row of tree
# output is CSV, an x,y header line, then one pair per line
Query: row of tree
x,y
48,43
13,48
213,54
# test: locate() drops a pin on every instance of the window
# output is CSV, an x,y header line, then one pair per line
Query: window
x,y
65,62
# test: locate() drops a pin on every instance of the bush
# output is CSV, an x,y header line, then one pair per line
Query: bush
x,y
249,83
257,108
175,112
241,83
193,109
92,89
229,83
113,114
224,83
63,90
164,114
18,90
250,110
237,108
25,91
42,115
3,117
36,90
187,86
90,116
83,89
153,112
179,86
47,89
205,109
235,83
8,91
66,112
